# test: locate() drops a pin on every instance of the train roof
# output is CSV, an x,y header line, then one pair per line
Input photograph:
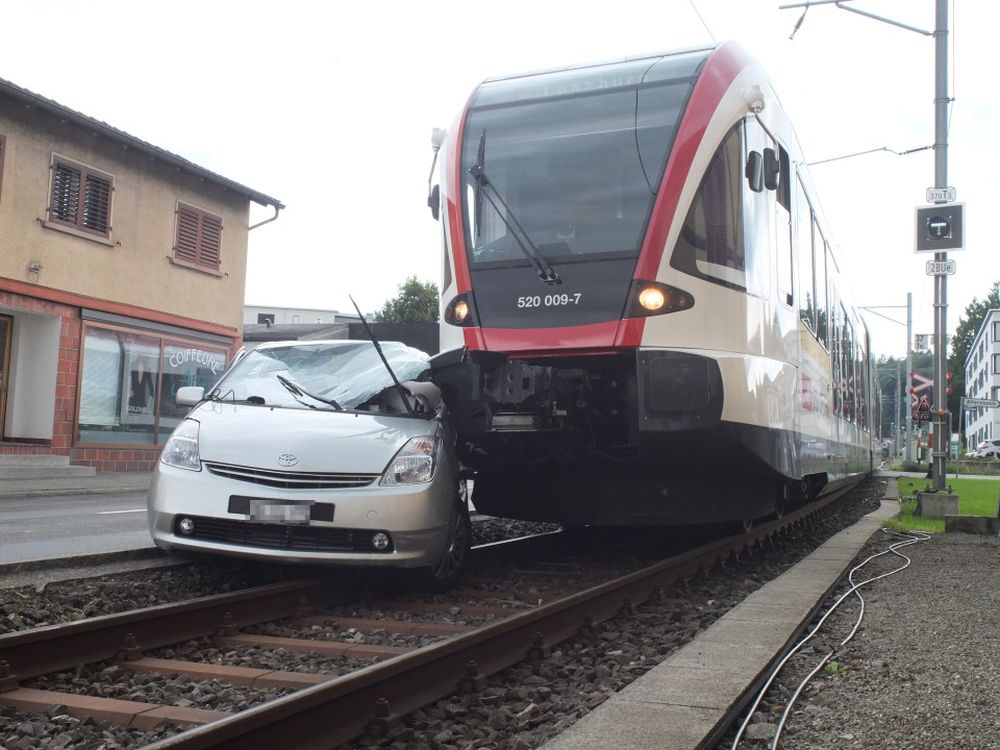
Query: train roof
x,y
628,71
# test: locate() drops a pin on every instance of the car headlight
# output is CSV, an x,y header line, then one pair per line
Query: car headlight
x,y
181,449
414,463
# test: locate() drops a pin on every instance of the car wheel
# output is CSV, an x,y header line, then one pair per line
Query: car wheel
x,y
450,566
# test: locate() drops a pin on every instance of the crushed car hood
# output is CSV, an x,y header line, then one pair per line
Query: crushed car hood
x,y
320,440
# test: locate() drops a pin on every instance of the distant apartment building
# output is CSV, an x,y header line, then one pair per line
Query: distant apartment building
x,y
982,380
122,276
264,315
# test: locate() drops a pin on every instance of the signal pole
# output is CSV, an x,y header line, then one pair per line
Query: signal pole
x,y
942,424
940,420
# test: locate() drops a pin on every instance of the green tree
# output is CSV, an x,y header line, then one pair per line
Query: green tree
x,y
416,302
961,343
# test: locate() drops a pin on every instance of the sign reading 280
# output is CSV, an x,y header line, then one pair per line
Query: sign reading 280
x,y
550,300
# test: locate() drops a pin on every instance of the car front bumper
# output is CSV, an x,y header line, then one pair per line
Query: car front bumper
x,y
414,516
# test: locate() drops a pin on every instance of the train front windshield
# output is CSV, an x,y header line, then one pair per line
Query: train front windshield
x,y
575,158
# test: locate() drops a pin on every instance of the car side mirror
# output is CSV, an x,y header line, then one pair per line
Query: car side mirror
x,y
755,171
189,395
772,169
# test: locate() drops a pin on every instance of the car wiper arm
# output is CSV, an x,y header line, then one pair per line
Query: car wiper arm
x,y
297,390
485,187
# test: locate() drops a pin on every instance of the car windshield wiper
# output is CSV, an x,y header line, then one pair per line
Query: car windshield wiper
x,y
297,390
485,187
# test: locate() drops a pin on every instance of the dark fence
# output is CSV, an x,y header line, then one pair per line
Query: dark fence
x,y
423,336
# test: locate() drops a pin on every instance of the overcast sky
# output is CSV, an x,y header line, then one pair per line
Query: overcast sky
x,y
329,108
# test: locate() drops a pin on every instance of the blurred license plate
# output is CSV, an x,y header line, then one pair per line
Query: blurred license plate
x,y
279,512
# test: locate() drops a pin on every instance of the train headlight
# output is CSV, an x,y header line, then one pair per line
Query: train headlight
x,y
653,298
461,311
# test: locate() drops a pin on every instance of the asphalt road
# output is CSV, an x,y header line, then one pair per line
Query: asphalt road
x,y
51,526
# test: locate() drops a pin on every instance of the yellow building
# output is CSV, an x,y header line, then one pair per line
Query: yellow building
x,y
122,273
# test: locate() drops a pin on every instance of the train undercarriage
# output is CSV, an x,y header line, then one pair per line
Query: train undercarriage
x,y
617,439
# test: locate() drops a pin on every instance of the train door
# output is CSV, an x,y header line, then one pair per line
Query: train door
x,y
6,329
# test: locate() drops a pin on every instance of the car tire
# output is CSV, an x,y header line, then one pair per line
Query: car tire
x,y
451,565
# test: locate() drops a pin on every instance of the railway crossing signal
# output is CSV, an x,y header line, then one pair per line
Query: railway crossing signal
x,y
940,227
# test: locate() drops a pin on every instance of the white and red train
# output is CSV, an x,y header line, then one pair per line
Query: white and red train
x,y
642,319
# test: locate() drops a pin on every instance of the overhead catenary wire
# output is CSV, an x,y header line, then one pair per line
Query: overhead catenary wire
x,y
909,538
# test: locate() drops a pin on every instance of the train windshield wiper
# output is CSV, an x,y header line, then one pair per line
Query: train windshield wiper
x,y
485,187
297,390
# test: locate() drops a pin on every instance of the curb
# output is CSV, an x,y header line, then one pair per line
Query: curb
x,y
39,492
82,561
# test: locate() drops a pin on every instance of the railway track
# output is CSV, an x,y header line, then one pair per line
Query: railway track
x,y
320,710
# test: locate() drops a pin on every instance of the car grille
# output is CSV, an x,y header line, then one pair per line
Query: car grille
x,y
280,536
291,480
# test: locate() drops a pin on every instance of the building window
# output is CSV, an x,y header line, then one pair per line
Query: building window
x,y
266,318
129,382
81,197
199,237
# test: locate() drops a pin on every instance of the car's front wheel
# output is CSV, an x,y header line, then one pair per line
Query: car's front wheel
x,y
450,566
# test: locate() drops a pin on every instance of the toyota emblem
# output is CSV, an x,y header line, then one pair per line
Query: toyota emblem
x,y
288,459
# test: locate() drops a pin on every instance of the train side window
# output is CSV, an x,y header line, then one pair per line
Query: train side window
x,y
711,241
758,217
824,273
783,230
836,359
804,253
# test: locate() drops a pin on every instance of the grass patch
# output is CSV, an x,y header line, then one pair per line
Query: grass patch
x,y
976,497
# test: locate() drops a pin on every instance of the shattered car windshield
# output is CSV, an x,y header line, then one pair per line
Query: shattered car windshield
x,y
343,373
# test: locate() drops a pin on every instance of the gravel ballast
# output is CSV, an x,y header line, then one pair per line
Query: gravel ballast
x,y
531,702
920,674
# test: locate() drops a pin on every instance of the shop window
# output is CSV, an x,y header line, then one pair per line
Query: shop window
x,y
80,197
129,382
184,365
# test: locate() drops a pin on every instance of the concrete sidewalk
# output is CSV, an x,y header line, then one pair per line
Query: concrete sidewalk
x,y
98,484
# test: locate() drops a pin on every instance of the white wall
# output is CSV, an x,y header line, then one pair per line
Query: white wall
x,y
34,358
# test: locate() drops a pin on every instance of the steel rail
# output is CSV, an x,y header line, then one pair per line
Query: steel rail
x,y
370,700
50,648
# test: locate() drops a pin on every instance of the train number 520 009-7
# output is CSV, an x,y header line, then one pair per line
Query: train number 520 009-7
x,y
549,300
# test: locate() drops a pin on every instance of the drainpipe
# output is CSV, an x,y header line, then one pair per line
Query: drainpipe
x,y
277,208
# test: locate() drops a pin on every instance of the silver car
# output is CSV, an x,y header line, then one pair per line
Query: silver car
x,y
315,451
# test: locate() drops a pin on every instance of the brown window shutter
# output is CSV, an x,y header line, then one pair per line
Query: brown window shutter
x,y
199,237
65,193
81,197
187,235
96,203
3,151
211,240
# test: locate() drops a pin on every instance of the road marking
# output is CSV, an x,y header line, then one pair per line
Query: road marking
x,y
116,512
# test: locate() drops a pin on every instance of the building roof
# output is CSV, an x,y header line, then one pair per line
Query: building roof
x,y
48,105
294,331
